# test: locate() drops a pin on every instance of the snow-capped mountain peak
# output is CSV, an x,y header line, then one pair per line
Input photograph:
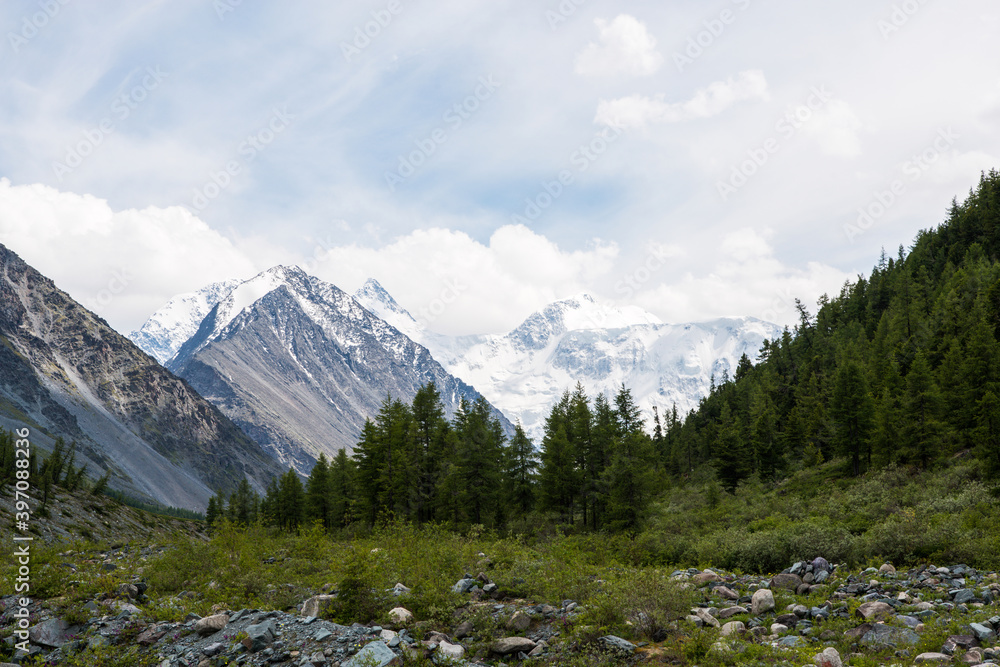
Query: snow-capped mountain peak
x,y
376,300
166,330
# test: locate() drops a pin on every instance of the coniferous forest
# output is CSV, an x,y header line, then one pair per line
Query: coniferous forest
x,y
899,369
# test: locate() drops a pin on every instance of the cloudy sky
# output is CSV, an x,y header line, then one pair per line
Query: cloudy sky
x,y
697,159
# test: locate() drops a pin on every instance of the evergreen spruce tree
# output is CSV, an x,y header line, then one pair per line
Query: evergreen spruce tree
x,y
851,409
922,428
520,474
318,493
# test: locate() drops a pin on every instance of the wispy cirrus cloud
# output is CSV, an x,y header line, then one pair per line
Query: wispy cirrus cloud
x,y
717,97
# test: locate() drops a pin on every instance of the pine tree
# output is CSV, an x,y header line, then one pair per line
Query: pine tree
x,y
318,493
520,473
630,476
731,461
429,441
341,490
291,501
851,408
478,458
921,409
988,432
212,512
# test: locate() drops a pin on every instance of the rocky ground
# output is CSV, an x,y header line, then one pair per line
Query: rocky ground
x,y
813,613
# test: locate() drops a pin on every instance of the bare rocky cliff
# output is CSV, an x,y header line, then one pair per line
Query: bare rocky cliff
x,y
65,372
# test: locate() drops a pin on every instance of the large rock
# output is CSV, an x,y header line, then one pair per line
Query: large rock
x,y
789,582
932,657
733,628
706,618
211,624
828,658
515,645
964,596
375,654
618,645
984,633
726,593
464,585
400,615
887,636
887,568
874,609
762,601
705,577
729,612
259,636
451,651
52,633
519,622
316,605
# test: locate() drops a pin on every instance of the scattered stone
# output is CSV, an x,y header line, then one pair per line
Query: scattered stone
x,y
733,627
828,658
259,636
464,585
932,657
887,636
463,630
778,628
726,593
515,645
618,644
786,581
887,568
705,577
211,624
729,612
451,651
519,622
874,609
400,616
984,633
316,605
52,633
706,617
375,654
762,602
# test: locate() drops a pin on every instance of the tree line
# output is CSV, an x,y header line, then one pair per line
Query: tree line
x,y
902,367
595,467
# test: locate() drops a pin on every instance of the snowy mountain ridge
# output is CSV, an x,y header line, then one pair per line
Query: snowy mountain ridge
x,y
603,346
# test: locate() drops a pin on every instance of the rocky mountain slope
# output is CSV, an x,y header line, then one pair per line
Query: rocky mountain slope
x,y
525,371
298,364
65,372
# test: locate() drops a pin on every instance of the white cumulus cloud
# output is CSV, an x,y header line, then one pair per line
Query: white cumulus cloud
x,y
625,47
717,97
123,265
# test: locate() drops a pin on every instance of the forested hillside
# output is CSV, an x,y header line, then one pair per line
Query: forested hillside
x,y
900,368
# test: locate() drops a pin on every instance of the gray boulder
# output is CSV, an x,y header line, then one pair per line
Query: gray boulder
x,y
375,654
